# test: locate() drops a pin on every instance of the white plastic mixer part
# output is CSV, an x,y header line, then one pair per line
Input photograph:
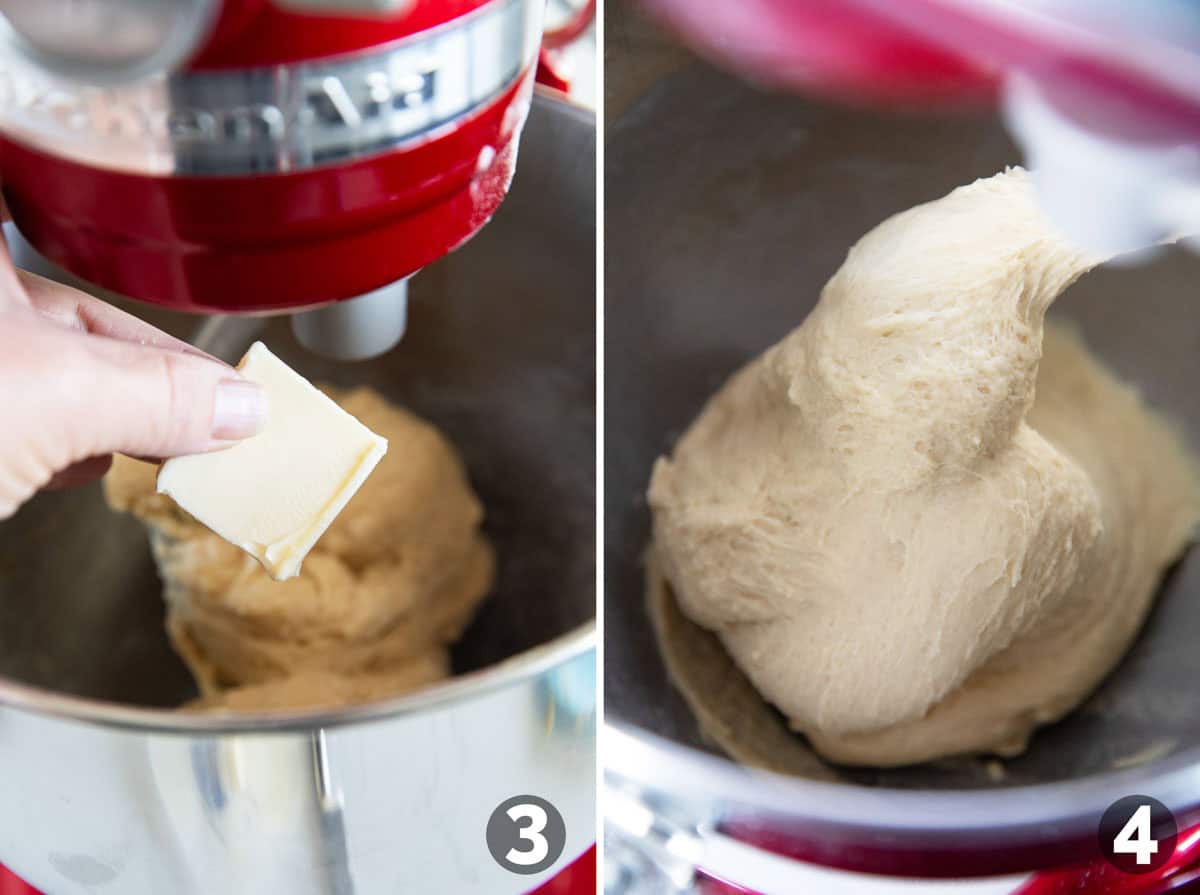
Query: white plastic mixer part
x,y
357,328
1116,174
1109,194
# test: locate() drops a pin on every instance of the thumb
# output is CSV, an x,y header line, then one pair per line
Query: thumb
x,y
157,402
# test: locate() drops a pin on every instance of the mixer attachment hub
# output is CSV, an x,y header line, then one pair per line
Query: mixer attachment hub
x,y
357,328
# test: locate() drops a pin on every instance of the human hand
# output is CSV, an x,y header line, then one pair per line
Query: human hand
x,y
81,380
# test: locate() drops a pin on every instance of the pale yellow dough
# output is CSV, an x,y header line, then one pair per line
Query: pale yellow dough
x,y
382,595
905,553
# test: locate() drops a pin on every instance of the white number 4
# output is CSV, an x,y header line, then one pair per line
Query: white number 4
x,y
1135,838
539,847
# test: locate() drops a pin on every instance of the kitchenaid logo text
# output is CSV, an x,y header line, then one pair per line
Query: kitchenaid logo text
x,y
327,102
281,118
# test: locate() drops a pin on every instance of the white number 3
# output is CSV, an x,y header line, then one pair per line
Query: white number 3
x,y
1135,838
539,847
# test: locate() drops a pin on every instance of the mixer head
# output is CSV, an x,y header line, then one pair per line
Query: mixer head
x,y
1102,95
263,156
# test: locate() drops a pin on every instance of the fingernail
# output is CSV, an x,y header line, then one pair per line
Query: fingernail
x,y
239,409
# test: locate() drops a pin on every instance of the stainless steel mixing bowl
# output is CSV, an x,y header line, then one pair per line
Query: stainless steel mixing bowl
x,y
728,209
104,788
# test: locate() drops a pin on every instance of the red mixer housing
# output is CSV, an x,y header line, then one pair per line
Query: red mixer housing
x,y
293,158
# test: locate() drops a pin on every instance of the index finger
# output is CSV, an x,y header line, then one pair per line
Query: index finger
x,y
75,309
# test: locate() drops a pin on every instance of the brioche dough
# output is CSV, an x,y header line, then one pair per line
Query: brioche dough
x,y
903,551
389,586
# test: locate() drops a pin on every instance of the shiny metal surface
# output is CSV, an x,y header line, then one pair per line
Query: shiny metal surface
x,y
399,805
105,41
278,118
108,786
729,209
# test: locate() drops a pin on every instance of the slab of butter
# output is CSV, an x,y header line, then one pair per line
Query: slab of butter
x,y
274,494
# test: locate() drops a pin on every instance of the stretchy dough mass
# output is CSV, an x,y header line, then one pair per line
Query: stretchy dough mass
x,y
382,594
901,549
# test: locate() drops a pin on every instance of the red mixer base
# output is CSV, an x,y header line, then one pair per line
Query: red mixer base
x,y
579,878
1178,875
11,884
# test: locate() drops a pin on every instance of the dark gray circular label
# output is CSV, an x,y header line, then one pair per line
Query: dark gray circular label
x,y
1138,834
526,834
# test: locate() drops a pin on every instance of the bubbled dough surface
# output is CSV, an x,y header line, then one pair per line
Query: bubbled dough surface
x,y
901,549
386,589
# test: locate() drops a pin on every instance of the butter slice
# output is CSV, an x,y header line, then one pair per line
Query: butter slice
x,y
274,494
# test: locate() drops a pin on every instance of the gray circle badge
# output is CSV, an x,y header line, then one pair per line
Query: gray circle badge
x,y
1138,834
526,834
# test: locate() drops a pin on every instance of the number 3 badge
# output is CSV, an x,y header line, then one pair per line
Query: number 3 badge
x,y
526,834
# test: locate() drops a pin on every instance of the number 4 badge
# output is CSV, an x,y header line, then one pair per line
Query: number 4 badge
x,y
1138,834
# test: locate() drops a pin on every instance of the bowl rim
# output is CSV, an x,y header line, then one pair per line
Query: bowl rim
x,y
1013,814
530,663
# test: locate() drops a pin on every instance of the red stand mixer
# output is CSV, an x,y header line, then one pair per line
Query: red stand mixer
x,y
253,157
263,157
